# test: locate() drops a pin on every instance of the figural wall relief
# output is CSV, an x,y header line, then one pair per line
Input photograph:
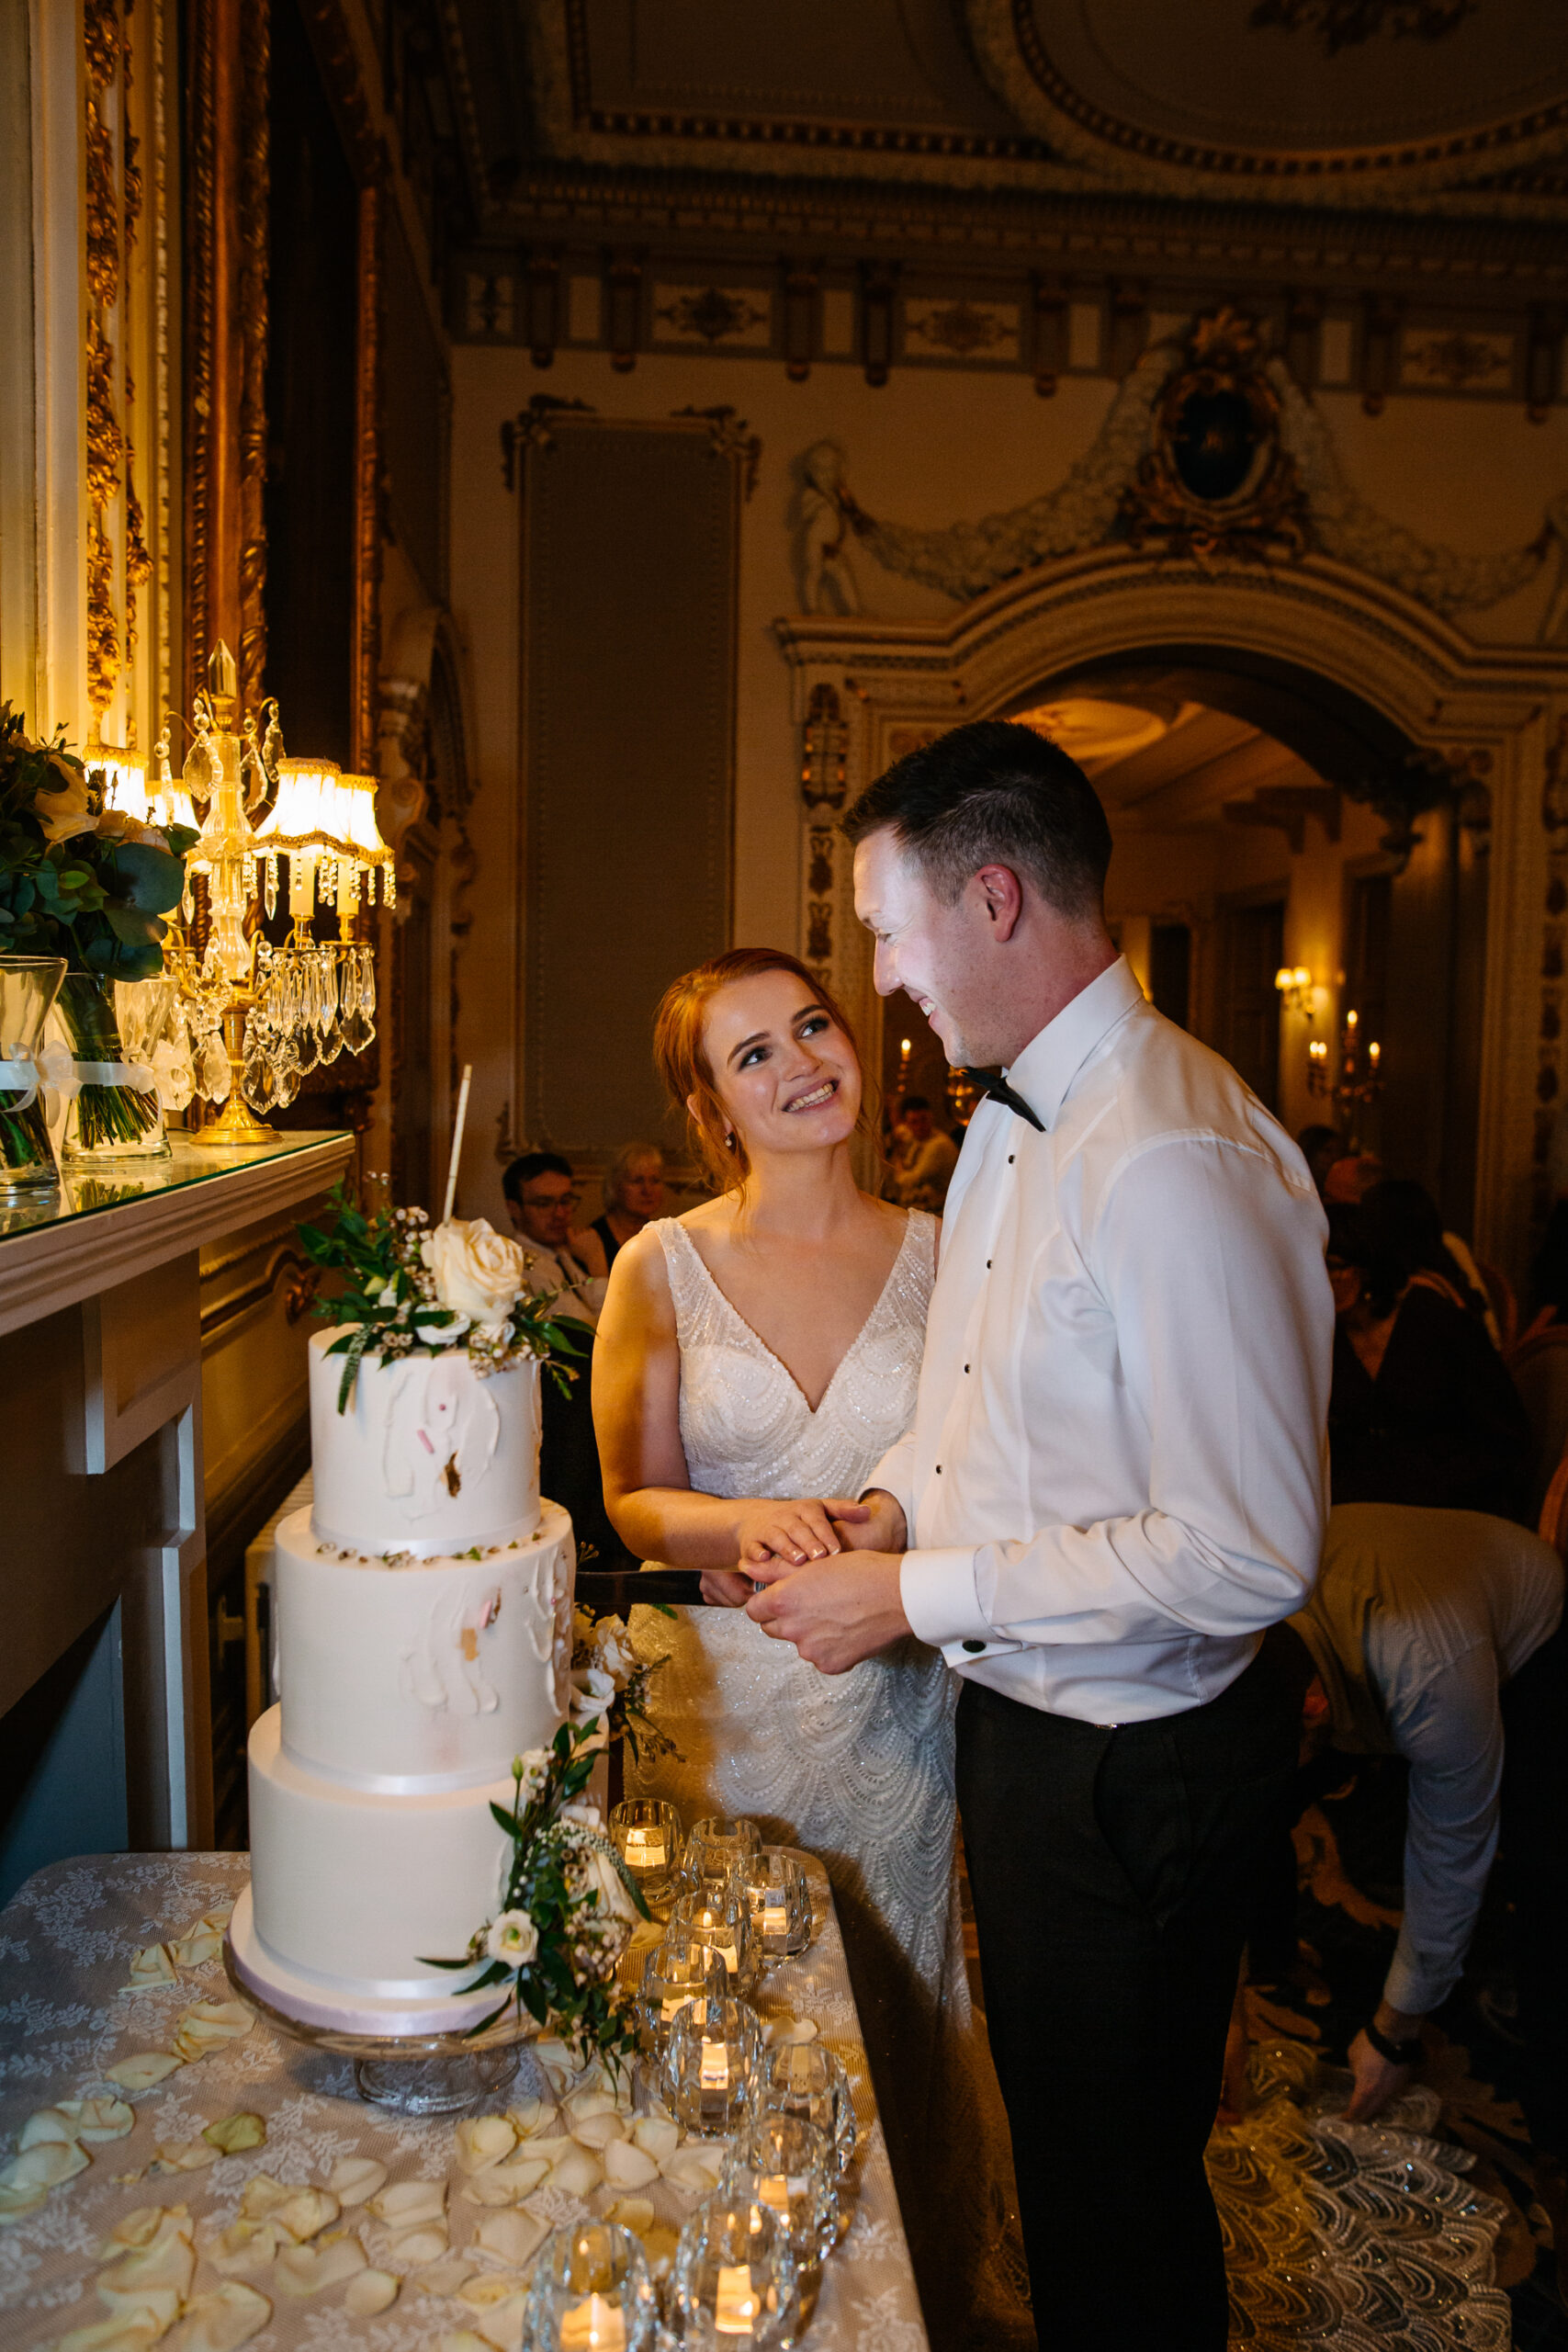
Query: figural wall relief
x,y
1210,450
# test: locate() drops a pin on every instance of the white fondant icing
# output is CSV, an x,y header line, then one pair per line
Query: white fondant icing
x,y
424,1629
423,1674
353,1888
442,1427
427,1458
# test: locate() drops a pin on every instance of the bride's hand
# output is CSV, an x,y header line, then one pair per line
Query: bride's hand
x,y
794,1532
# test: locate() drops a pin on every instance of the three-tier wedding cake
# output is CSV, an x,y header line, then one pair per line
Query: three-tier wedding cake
x,y
424,1639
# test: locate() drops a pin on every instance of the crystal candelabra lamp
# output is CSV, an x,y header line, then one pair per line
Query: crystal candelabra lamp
x,y
1360,1075
281,1009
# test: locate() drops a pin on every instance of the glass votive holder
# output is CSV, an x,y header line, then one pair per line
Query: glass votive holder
x,y
735,2279
679,1969
712,2051
719,1915
590,2291
645,1832
786,2164
720,1840
803,2079
779,1900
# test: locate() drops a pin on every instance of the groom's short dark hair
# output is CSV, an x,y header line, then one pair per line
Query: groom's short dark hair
x,y
993,792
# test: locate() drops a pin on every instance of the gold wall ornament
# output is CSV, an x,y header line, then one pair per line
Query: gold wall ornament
x,y
1217,482
104,48
255,180
530,429
366,639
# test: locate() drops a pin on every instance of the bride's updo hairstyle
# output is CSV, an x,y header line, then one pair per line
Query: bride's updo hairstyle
x,y
683,1063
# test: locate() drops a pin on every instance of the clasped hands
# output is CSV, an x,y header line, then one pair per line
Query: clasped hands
x,y
836,1604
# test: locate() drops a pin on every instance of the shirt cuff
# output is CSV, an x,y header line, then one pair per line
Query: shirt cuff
x,y
1408,1988
937,1588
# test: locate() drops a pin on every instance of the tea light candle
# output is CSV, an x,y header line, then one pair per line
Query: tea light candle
x,y
594,2325
646,1849
717,1932
737,2304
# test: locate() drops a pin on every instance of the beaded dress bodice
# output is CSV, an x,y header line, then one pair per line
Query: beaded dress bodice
x,y
745,1426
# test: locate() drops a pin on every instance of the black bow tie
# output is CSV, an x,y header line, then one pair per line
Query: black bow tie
x,y
997,1089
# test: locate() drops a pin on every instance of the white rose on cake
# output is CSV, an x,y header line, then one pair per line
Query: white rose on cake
x,y
478,1271
514,1939
614,1644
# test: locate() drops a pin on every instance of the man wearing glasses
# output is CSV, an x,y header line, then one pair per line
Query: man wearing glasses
x,y
542,1200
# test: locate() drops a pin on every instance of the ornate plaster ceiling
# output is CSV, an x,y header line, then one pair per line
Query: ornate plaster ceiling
x,y
1331,98
1162,764
1446,104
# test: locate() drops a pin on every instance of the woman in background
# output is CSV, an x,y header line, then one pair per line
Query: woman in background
x,y
634,1192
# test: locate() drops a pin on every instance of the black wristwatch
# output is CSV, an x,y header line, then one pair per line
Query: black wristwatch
x,y
1398,2053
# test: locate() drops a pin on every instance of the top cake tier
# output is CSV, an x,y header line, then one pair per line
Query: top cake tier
x,y
427,1458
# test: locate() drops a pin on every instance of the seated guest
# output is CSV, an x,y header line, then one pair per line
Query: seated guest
x,y
1403,1217
541,1196
1321,1147
634,1192
1351,1177
924,1160
1549,1274
1422,1410
1437,1635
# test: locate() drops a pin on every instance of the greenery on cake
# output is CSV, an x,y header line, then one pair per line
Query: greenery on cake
x,y
567,1910
409,1289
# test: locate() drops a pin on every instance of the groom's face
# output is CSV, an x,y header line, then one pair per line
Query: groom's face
x,y
939,955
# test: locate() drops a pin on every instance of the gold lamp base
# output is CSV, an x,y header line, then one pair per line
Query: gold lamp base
x,y
236,1125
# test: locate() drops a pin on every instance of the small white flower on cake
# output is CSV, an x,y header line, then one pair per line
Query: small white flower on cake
x,y
532,1769
478,1271
514,1939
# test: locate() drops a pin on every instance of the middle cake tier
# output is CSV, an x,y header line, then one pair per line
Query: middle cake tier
x,y
422,1676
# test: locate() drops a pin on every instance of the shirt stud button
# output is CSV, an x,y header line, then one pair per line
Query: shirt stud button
x,y
973,1648
938,1469
965,1367
1012,1156
988,1265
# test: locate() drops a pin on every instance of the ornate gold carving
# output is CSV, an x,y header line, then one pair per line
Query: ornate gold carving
x,y
106,52
1218,480
712,315
728,436
255,191
201,261
366,651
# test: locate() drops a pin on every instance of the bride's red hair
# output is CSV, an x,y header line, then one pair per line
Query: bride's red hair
x,y
683,1063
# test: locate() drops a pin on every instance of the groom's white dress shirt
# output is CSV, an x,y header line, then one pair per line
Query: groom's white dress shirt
x,y
1118,1471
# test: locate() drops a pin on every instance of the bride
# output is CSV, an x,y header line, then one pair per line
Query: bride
x,y
763,1347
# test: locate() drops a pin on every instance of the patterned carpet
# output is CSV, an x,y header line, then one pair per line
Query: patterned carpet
x,y
1348,1852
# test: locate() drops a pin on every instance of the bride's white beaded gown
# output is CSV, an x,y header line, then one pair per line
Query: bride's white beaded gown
x,y
857,1768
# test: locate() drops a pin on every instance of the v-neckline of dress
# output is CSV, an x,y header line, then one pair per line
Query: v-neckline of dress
x,y
753,1333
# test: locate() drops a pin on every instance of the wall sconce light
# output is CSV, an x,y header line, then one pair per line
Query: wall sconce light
x,y
1295,984
905,1048
1358,1081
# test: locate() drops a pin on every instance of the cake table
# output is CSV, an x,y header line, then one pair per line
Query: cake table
x,y
66,1939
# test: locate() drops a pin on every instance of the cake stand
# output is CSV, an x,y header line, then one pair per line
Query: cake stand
x,y
412,2056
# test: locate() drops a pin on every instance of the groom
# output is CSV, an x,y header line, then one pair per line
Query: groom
x,y
1114,1482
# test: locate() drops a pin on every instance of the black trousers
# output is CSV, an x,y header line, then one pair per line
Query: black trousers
x,y
1111,1871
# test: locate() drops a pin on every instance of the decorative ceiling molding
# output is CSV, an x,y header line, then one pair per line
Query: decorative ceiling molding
x,y
1432,171
682,209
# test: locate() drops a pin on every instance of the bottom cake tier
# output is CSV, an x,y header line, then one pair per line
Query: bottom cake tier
x,y
350,1887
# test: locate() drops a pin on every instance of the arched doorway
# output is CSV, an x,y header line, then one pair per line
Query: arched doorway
x,y
1415,729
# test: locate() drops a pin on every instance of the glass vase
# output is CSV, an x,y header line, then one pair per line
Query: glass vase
x,y
29,985
114,1112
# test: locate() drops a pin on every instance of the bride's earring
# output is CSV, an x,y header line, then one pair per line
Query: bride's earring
x,y
729,1140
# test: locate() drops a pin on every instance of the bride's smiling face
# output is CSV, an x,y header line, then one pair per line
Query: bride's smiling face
x,y
787,1076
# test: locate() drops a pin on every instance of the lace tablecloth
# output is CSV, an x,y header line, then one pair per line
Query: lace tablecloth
x,y
66,1940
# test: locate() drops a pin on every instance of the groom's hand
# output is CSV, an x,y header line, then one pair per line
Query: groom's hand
x,y
835,1611
877,1524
